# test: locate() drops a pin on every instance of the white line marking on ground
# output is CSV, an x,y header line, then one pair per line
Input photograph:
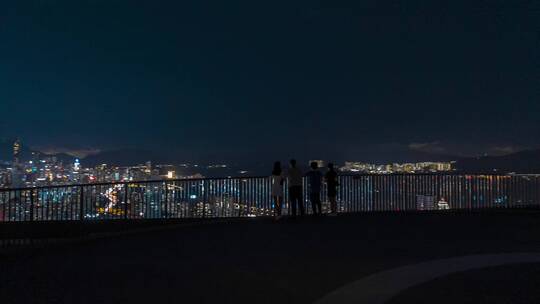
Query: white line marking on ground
x,y
380,287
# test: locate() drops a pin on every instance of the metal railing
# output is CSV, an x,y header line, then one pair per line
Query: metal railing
x,y
251,196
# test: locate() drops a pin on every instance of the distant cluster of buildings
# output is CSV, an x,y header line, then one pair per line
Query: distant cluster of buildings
x,y
421,167
44,170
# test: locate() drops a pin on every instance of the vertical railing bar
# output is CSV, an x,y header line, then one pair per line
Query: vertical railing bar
x,y
81,203
125,201
31,204
166,201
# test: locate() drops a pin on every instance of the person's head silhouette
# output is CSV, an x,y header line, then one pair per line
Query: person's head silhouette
x,y
293,163
277,168
314,165
331,166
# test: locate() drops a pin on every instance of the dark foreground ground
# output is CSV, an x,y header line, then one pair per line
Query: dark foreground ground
x,y
290,261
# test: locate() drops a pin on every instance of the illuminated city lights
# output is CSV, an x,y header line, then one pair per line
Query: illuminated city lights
x,y
420,167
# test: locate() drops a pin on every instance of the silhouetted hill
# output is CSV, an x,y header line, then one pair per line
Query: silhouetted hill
x,y
124,157
63,157
396,155
411,156
521,162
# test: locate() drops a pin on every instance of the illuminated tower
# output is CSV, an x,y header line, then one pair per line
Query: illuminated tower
x,y
76,165
16,151
16,176
148,169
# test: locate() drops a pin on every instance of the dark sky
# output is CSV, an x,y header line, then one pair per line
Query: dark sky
x,y
244,78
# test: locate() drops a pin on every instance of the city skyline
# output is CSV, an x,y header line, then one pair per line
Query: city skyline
x,y
37,170
244,80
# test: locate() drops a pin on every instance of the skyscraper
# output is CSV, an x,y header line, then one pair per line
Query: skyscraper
x,y
16,151
16,176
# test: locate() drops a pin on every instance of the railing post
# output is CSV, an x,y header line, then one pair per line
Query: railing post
x,y
81,203
166,200
204,209
31,204
438,198
204,199
239,201
126,201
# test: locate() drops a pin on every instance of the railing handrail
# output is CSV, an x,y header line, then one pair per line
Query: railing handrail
x,y
252,196
256,177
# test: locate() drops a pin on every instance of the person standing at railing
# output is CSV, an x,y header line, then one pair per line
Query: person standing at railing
x,y
277,179
331,184
295,188
315,181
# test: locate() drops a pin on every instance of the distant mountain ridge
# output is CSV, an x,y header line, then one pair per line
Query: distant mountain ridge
x,y
125,157
527,161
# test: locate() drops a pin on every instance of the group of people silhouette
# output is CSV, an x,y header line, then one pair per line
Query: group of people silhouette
x,y
294,178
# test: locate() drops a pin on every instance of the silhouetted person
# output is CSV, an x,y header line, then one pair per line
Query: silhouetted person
x,y
277,180
315,181
295,188
331,183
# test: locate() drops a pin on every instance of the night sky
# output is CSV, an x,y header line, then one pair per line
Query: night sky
x,y
317,79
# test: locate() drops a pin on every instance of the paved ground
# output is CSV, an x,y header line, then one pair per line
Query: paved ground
x,y
262,261
515,284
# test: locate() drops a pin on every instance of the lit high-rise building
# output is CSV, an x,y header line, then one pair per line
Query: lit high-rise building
x,y
16,151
